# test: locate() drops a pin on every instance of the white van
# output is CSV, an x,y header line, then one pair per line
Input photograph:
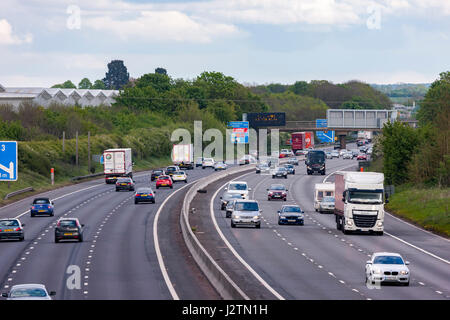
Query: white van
x,y
322,190
240,187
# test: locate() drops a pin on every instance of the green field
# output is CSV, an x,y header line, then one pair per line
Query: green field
x,y
426,207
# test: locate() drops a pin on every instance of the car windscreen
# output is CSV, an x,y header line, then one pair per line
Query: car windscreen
x,y
41,201
316,157
238,186
157,172
164,178
170,169
28,292
9,223
277,187
291,209
68,223
123,180
179,173
328,199
246,206
281,169
388,260
144,190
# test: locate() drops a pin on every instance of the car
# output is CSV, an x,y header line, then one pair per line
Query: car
x,y
262,168
42,206
361,157
246,212
285,153
164,181
29,291
363,149
328,155
291,214
355,153
11,229
179,176
301,152
293,161
171,169
186,165
279,172
386,267
198,162
226,197
220,165
347,155
69,229
238,187
208,163
125,183
337,146
290,168
342,152
326,205
247,159
229,207
156,173
144,194
277,191
334,154
369,151
360,143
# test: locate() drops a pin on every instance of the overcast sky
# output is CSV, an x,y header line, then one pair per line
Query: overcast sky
x,y
44,42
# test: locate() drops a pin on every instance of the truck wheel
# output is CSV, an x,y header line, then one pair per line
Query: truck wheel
x,y
338,223
379,233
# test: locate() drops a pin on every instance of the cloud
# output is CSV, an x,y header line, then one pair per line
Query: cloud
x,y
162,26
8,38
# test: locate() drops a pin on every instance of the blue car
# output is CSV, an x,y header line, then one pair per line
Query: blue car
x,y
144,195
291,214
42,206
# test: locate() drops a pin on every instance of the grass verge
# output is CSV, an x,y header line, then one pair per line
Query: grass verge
x,y
425,207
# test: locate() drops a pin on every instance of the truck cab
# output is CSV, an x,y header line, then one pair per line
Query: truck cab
x,y
359,202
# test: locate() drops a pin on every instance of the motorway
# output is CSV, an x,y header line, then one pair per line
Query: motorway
x,y
316,261
121,256
117,259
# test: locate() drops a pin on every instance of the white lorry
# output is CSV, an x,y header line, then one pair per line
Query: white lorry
x,y
359,201
183,156
117,163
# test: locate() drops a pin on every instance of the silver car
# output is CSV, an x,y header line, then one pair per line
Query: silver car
x,y
387,267
28,292
11,229
246,212
326,205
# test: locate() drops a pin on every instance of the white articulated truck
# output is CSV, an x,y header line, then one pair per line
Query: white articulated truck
x,y
183,156
359,201
117,163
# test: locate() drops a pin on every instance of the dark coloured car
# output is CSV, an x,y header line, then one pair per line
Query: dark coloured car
x,y
230,207
279,172
156,174
69,229
11,229
42,206
291,214
144,195
125,184
277,191
226,197
290,168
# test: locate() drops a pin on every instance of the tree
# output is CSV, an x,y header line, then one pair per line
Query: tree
x,y
99,85
160,82
161,71
66,85
117,75
436,102
85,83
300,88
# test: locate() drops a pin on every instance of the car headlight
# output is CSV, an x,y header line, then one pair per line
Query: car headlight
x,y
404,272
236,217
256,217
376,271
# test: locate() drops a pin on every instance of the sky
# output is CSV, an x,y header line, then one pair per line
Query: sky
x,y
45,42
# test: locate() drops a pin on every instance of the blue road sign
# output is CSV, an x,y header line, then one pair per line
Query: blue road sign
x,y
240,131
238,124
324,136
8,160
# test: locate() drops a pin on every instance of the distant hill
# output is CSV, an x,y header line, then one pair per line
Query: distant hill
x,y
403,93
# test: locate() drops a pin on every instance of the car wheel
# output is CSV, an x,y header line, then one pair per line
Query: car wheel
x,y
21,239
228,215
233,225
380,233
52,214
171,187
32,215
279,221
136,202
406,284
157,187
185,181
56,240
117,190
285,177
258,226
154,201
80,239
268,199
273,177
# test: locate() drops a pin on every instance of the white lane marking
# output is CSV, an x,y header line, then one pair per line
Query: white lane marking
x,y
158,249
415,247
326,178
249,268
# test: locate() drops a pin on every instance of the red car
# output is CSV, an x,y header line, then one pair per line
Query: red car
x,y
164,181
361,157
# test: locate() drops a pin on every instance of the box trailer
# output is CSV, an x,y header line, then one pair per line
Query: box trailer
x,y
117,163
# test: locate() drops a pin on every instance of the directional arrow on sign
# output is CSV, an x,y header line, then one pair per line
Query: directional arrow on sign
x,y
9,170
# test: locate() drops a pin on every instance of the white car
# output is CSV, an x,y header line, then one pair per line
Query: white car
x,y
342,152
347,155
246,212
240,187
28,292
179,176
208,162
286,152
334,154
220,166
247,159
387,267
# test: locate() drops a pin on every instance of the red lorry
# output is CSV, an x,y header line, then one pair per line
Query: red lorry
x,y
302,140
